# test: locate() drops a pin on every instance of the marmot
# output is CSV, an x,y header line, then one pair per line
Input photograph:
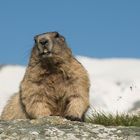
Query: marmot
x,y
55,83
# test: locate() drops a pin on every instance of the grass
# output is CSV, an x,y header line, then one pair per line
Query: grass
x,y
114,120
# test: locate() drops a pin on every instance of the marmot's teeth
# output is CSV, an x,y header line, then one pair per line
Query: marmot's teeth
x,y
45,51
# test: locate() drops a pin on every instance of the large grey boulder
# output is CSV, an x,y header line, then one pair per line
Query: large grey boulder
x,y
57,128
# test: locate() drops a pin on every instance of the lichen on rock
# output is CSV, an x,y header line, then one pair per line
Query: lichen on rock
x,y
58,128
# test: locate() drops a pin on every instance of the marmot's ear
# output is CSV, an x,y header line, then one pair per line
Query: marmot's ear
x,y
63,39
56,34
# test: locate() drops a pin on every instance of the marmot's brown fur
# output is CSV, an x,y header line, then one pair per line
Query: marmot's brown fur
x,y
55,83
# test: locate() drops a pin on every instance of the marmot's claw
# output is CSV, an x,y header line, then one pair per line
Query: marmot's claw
x,y
73,118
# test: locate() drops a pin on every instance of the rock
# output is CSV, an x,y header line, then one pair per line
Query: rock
x,y
57,128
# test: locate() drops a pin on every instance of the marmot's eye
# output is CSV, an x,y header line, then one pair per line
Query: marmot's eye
x,y
35,40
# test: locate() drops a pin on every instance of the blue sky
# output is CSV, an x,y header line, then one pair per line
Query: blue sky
x,y
94,28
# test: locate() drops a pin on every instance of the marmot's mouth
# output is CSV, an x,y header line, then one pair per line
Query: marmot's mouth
x,y
46,53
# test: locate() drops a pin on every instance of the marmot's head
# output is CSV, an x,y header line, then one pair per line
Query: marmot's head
x,y
51,46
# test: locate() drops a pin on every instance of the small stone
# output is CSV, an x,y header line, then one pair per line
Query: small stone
x,y
34,133
14,134
119,131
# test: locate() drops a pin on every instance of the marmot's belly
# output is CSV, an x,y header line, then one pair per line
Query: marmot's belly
x,y
57,95
57,103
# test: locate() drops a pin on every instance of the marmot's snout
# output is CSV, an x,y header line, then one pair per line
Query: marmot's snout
x,y
45,43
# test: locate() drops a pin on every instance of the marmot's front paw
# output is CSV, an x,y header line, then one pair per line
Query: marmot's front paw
x,y
73,118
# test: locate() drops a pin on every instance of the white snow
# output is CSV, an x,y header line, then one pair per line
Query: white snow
x,y
10,77
115,83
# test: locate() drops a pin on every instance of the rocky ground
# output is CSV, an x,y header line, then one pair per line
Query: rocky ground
x,y
57,128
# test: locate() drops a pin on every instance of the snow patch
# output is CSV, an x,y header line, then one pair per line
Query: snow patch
x,y
115,83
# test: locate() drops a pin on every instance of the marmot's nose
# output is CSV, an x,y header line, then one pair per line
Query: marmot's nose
x,y
44,41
